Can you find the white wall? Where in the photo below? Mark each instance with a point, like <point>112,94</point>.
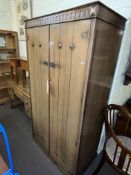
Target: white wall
<point>119,92</point>
<point>13,9</point>
<point>8,15</point>
<point>17,18</point>
<point>41,7</point>
<point>5,15</point>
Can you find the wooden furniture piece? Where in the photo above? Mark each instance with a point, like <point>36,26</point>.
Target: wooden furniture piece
<point>4,96</point>
<point>11,43</point>
<point>72,56</point>
<point>24,69</point>
<point>14,65</point>
<point>8,48</point>
<point>23,93</point>
<point>117,149</point>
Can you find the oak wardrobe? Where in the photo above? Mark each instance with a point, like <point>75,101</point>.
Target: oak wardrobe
<point>72,56</point>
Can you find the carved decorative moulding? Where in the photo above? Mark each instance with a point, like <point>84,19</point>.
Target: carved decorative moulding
<point>88,11</point>
<point>83,13</point>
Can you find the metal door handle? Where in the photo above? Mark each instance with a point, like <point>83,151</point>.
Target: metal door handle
<point>53,65</point>
<point>46,63</point>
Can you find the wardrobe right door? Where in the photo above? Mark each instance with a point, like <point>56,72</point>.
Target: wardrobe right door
<point>78,69</point>
<point>61,36</point>
<point>68,53</point>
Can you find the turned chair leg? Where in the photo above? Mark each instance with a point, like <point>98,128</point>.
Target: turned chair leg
<point>100,165</point>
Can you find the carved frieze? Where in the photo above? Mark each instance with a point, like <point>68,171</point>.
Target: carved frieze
<point>67,16</point>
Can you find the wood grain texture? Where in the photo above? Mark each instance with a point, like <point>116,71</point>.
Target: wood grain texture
<point>66,38</point>
<point>81,32</point>
<point>106,15</point>
<point>11,49</point>
<point>54,88</point>
<point>37,82</point>
<point>24,64</point>
<point>102,68</point>
<point>87,11</point>
<point>44,77</point>
<point>78,59</point>
<point>30,49</point>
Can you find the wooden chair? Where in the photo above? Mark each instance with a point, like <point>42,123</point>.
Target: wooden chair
<point>24,68</point>
<point>117,147</point>
<point>14,65</point>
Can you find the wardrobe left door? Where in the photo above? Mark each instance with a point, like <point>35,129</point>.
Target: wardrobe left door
<point>37,46</point>
<point>44,83</point>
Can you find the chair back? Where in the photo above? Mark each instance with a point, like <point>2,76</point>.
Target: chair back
<point>114,114</point>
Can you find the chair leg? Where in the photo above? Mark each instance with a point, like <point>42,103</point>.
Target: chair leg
<point>24,77</point>
<point>16,75</point>
<point>11,72</point>
<point>100,165</point>
<point>11,103</point>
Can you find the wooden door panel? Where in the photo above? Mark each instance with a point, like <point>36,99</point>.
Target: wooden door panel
<point>54,80</point>
<point>44,77</point>
<point>66,38</point>
<point>66,88</point>
<point>38,51</point>
<point>32,80</point>
<point>77,75</point>
<point>37,82</point>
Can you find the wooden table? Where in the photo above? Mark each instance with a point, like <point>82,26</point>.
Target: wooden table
<point>23,93</point>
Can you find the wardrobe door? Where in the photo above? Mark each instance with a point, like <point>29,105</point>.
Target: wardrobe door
<point>39,75</point>
<point>68,50</point>
<point>54,86</point>
<point>66,38</point>
<point>44,86</point>
<point>61,36</point>
<point>79,61</point>
<point>30,55</point>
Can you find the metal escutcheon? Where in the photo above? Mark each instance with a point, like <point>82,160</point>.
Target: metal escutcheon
<point>72,46</point>
<point>59,45</point>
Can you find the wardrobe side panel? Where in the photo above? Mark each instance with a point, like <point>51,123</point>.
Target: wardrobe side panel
<point>104,59</point>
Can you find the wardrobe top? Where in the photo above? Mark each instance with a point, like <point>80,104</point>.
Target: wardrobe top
<point>88,11</point>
